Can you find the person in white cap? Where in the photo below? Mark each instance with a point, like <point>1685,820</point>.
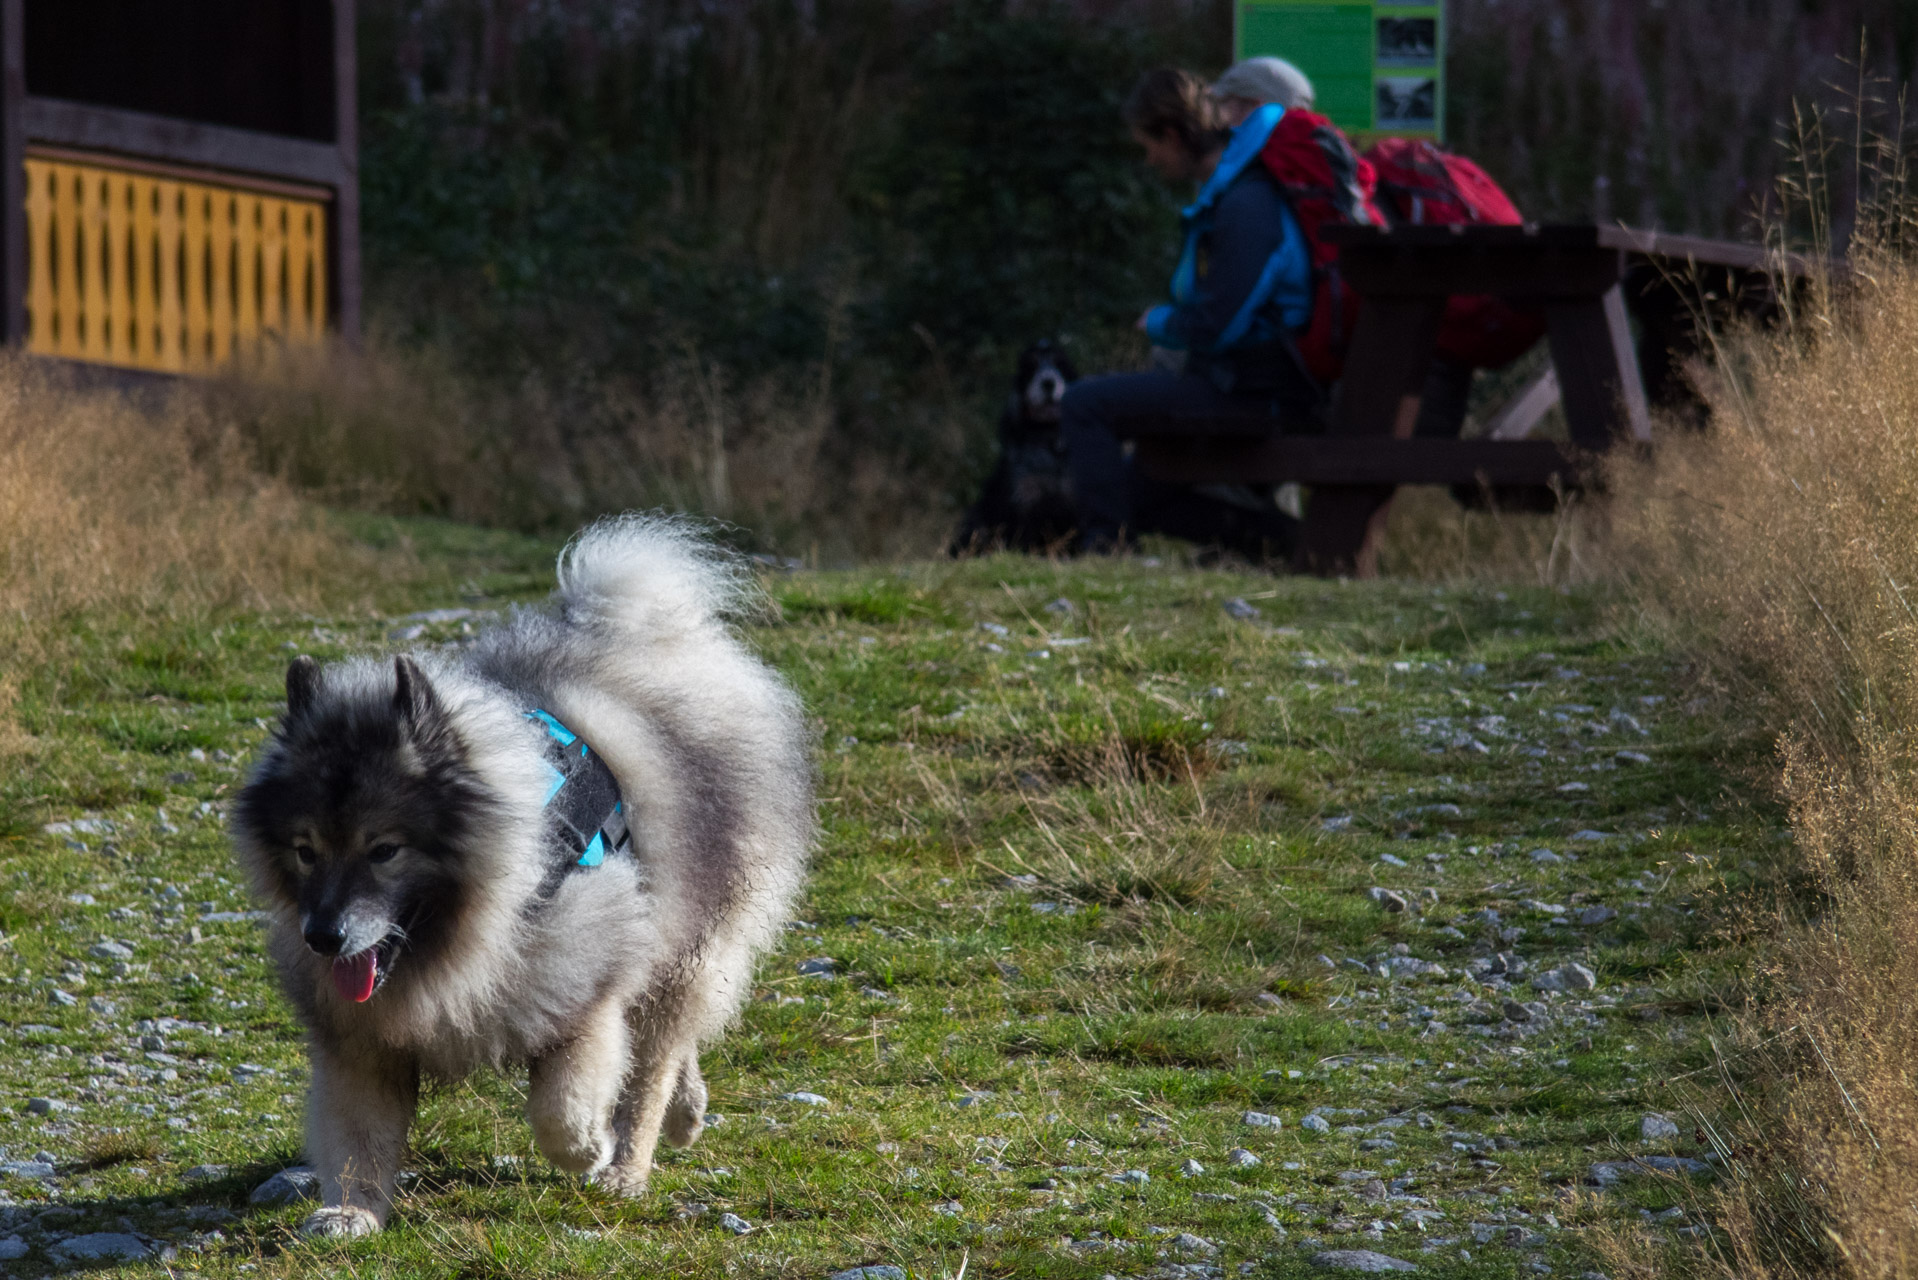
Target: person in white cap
<point>1247,86</point>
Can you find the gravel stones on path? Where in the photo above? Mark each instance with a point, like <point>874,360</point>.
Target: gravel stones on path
<point>1608,1173</point>
<point>1360,1260</point>
<point>100,1246</point>
<point>1657,1128</point>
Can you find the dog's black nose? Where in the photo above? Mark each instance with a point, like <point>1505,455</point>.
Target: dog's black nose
<point>325,937</point>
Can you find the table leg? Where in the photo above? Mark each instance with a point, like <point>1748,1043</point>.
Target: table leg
<point>1378,396</point>
<point>1598,377</point>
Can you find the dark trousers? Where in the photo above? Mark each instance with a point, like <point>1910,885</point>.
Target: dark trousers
<point>1113,502</point>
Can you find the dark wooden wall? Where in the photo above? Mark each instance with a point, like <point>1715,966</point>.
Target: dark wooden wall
<point>264,65</point>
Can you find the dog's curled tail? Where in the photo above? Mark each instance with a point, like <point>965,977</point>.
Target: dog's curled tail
<point>654,576</point>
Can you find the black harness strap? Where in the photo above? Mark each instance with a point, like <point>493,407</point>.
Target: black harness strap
<point>586,815</point>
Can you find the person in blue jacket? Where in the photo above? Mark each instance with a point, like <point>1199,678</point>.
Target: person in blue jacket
<point>1243,284</point>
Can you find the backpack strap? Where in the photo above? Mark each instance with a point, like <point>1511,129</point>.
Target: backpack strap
<point>1290,255</point>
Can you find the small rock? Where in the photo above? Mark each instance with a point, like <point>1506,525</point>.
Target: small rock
<point>101,1244</point>
<point>1657,1128</point>
<point>44,1106</point>
<point>1544,856</point>
<point>1238,608</point>
<point>288,1186</point>
<point>28,1168</point>
<point>1573,788</point>
<point>1260,1120</point>
<point>1571,977</point>
<point>12,1248</point>
<point>108,949</point>
<point>62,999</point>
<point>1061,605</point>
<point>817,967</point>
<point>806,1099</point>
<point>1132,1177</point>
<point>1632,757</point>
<point>973,1099</point>
<point>1240,1158</point>
<point>1392,860</point>
<point>1507,964</point>
<point>1316,1124</point>
<point>950,1208</point>
<point>1608,1172</point>
<point>1590,836</point>
<point>734,1223</point>
<point>1186,1242</point>
<point>869,1273</point>
<point>1360,1260</point>
<point>1597,915</point>
<point>1192,1169</point>
<point>1386,898</point>
<point>204,1172</point>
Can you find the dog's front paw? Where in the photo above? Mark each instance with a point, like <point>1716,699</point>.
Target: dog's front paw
<point>344,1222</point>
<point>575,1152</point>
<point>622,1180</point>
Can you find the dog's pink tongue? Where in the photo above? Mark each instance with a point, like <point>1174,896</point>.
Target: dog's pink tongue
<point>354,976</point>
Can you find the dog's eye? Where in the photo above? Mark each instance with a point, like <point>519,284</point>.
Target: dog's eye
<point>383,853</point>
<point>304,852</point>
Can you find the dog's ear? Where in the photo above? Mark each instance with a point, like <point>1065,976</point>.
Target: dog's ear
<point>302,686</point>
<point>414,701</point>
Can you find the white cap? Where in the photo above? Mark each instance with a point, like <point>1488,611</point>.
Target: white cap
<point>1265,80</point>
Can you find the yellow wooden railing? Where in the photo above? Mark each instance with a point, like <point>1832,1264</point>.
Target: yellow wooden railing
<point>149,267</point>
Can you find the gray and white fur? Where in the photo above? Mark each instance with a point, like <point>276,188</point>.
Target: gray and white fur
<point>396,822</point>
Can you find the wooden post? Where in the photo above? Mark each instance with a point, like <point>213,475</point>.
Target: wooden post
<point>1598,378</point>
<point>1378,396</point>
<point>13,174</point>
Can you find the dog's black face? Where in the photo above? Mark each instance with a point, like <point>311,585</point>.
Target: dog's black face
<point>1041,382</point>
<point>360,812</point>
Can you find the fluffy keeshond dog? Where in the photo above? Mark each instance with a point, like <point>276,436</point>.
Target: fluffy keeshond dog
<point>561,847</point>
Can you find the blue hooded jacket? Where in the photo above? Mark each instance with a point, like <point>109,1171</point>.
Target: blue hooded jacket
<point>1245,262</point>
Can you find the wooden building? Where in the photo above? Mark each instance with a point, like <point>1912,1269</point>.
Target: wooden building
<point>179,178</point>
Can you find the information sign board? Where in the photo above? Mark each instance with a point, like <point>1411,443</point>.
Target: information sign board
<point>1376,66</point>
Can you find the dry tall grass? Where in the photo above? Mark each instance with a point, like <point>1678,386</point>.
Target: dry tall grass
<point>112,508</point>
<point>397,429</point>
<point>1785,545</point>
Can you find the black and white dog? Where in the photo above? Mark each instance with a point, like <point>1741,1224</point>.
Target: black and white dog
<point>560,849</point>
<point>1026,504</point>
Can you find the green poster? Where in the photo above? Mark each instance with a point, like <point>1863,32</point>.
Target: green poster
<point>1377,67</point>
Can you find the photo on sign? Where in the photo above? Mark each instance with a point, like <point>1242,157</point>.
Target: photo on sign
<point>1408,42</point>
<point>1408,101</point>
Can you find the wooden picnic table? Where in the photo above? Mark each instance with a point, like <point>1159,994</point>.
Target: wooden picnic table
<point>1589,281</point>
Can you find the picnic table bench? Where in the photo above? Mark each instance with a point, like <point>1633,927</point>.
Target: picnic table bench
<point>1589,281</point>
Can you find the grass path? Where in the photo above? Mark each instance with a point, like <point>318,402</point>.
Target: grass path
<point>1164,923</point>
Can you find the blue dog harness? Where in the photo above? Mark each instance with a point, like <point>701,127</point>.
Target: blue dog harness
<point>583,804</point>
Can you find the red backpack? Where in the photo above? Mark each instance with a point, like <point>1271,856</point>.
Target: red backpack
<point>1326,183</point>
<point>1419,185</point>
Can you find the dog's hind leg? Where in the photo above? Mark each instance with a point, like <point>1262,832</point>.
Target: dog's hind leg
<point>650,1090</point>
<point>573,1090</point>
<point>358,1111</point>
<point>686,1114</point>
